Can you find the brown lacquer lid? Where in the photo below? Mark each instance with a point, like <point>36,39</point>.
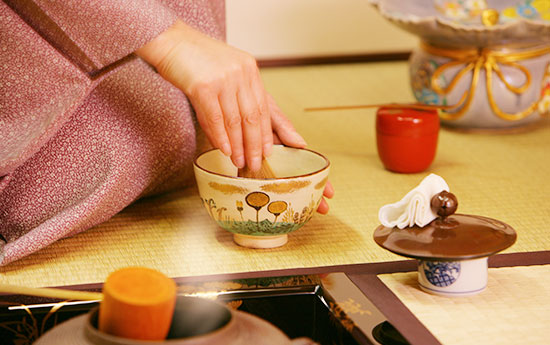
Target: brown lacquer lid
<point>449,237</point>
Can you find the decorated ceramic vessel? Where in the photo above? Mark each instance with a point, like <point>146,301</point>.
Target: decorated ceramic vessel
<point>261,212</point>
<point>196,321</point>
<point>452,249</point>
<point>488,61</point>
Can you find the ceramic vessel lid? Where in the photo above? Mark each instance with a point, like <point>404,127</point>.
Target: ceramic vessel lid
<point>450,237</point>
<point>455,23</point>
<point>407,122</point>
<point>242,329</point>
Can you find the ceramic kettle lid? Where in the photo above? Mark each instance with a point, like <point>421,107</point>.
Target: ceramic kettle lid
<point>450,237</point>
<point>197,321</point>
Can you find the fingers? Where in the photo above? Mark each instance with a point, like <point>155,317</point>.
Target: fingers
<point>276,139</point>
<point>211,118</point>
<point>251,127</point>
<point>327,193</point>
<point>256,120</point>
<point>232,118</point>
<point>329,190</point>
<point>236,120</point>
<point>323,207</point>
<point>282,127</point>
<point>265,119</point>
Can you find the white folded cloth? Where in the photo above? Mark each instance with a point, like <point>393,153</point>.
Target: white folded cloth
<point>414,208</point>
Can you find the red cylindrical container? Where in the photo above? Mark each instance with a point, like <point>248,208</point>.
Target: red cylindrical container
<point>406,138</point>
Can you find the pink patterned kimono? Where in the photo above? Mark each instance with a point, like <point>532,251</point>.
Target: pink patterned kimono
<point>86,127</point>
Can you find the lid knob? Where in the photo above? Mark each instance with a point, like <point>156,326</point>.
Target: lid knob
<point>444,204</point>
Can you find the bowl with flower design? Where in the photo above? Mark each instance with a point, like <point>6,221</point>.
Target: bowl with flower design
<point>262,212</point>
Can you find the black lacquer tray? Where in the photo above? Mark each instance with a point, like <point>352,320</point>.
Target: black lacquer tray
<point>301,306</point>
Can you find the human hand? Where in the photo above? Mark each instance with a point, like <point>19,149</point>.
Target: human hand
<point>225,88</point>
<point>283,129</point>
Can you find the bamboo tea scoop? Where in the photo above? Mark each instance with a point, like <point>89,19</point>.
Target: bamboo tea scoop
<point>265,172</point>
<point>51,293</point>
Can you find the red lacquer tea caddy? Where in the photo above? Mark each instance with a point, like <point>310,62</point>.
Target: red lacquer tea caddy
<point>406,138</point>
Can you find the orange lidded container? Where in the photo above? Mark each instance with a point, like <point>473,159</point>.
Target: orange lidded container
<point>406,138</point>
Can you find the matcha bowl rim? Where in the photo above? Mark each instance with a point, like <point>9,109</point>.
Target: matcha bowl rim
<point>261,212</point>
<point>327,165</point>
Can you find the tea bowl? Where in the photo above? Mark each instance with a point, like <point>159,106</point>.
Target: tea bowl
<point>261,212</point>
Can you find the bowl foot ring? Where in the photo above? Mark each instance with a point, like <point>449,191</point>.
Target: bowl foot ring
<point>260,241</point>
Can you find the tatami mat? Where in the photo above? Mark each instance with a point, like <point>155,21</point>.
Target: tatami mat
<point>500,176</point>
<point>514,309</point>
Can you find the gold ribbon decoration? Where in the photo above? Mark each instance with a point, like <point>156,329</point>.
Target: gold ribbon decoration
<point>474,60</point>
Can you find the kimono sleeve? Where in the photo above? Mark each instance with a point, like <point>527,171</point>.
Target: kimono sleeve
<point>95,33</point>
